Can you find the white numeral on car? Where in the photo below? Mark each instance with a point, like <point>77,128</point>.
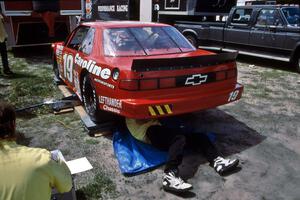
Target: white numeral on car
<point>68,67</point>
<point>233,95</point>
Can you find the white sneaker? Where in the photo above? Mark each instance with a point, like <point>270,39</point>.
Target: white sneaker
<point>222,165</point>
<point>174,183</point>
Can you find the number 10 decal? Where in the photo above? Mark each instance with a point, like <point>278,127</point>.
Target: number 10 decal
<point>68,67</point>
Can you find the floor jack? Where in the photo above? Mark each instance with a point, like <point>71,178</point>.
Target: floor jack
<point>57,106</point>
<point>68,104</point>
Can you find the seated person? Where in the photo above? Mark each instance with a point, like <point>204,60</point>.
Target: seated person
<point>174,141</point>
<point>27,173</point>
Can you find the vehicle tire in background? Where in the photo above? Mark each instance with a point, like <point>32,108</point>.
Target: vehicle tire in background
<point>56,71</point>
<point>90,101</point>
<point>297,62</point>
<point>192,39</point>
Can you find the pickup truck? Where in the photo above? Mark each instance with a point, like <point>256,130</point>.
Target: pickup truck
<point>267,31</point>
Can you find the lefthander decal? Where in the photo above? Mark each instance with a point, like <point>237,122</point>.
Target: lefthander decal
<point>111,104</point>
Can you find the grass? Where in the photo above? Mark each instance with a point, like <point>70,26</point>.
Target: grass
<point>98,188</point>
<point>32,84</point>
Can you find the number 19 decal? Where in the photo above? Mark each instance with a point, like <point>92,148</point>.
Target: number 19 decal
<point>68,67</point>
<point>233,95</point>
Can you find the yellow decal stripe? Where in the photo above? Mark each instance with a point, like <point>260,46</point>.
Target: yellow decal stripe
<point>168,109</point>
<point>161,112</point>
<point>151,110</point>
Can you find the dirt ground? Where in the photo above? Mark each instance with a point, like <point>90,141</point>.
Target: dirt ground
<point>262,130</point>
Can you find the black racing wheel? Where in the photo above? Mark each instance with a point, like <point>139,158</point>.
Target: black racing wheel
<point>90,101</point>
<point>297,62</point>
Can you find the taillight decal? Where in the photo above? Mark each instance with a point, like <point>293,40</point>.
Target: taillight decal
<point>158,110</point>
<point>168,109</point>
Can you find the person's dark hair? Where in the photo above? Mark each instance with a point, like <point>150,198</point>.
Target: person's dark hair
<point>7,120</point>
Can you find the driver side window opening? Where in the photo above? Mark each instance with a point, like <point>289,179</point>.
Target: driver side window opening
<point>78,37</point>
<point>241,16</point>
<point>87,44</point>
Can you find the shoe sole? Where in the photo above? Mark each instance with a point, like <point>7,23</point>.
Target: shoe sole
<point>166,188</point>
<point>229,168</point>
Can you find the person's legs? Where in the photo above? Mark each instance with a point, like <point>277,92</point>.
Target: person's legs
<point>201,141</point>
<point>174,142</point>
<point>4,58</point>
<point>168,140</point>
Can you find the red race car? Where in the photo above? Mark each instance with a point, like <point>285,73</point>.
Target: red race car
<point>143,70</point>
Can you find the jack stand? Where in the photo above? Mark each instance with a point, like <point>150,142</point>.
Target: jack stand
<point>58,81</point>
<point>94,129</point>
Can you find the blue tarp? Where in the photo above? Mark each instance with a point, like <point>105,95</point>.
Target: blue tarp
<point>135,156</point>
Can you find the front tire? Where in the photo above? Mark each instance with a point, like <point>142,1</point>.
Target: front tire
<point>90,101</point>
<point>192,39</point>
<point>56,70</point>
<point>297,62</point>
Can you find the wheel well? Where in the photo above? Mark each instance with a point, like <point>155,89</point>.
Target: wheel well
<point>191,34</point>
<point>296,53</point>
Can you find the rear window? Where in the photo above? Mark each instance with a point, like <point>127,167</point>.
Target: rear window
<point>292,15</point>
<point>144,41</point>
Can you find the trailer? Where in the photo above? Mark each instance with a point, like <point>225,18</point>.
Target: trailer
<point>109,10</point>
<point>193,10</point>
<point>31,23</point>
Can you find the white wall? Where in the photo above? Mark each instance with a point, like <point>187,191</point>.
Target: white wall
<point>241,2</point>
<point>145,10</point>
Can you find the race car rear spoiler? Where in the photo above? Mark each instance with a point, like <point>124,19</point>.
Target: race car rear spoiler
<point>142,65</point>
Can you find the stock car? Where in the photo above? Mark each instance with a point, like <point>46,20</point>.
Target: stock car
<point>142,70</point>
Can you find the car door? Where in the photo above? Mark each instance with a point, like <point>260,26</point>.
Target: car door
<point>268,30</point>
<point>237,31</point>
<point>69,53</point>
<point>276,32</point>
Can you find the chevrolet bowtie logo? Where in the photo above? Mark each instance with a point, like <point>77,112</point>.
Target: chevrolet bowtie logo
<point>196,79</point>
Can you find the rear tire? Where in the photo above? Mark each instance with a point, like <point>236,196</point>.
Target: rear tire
<point>90,101</point>
<point>297,62</point>
<point>192,39</point>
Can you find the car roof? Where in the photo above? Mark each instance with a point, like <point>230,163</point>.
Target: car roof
<point>121,24</point>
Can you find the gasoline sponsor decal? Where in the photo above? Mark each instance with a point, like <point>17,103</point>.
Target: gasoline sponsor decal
<point>91,66</point>
<point>157,110</point>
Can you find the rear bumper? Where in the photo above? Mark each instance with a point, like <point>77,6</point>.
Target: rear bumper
<point>155,108</point>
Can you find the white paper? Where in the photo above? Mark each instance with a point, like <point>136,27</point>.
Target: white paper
<point>79,165</point>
